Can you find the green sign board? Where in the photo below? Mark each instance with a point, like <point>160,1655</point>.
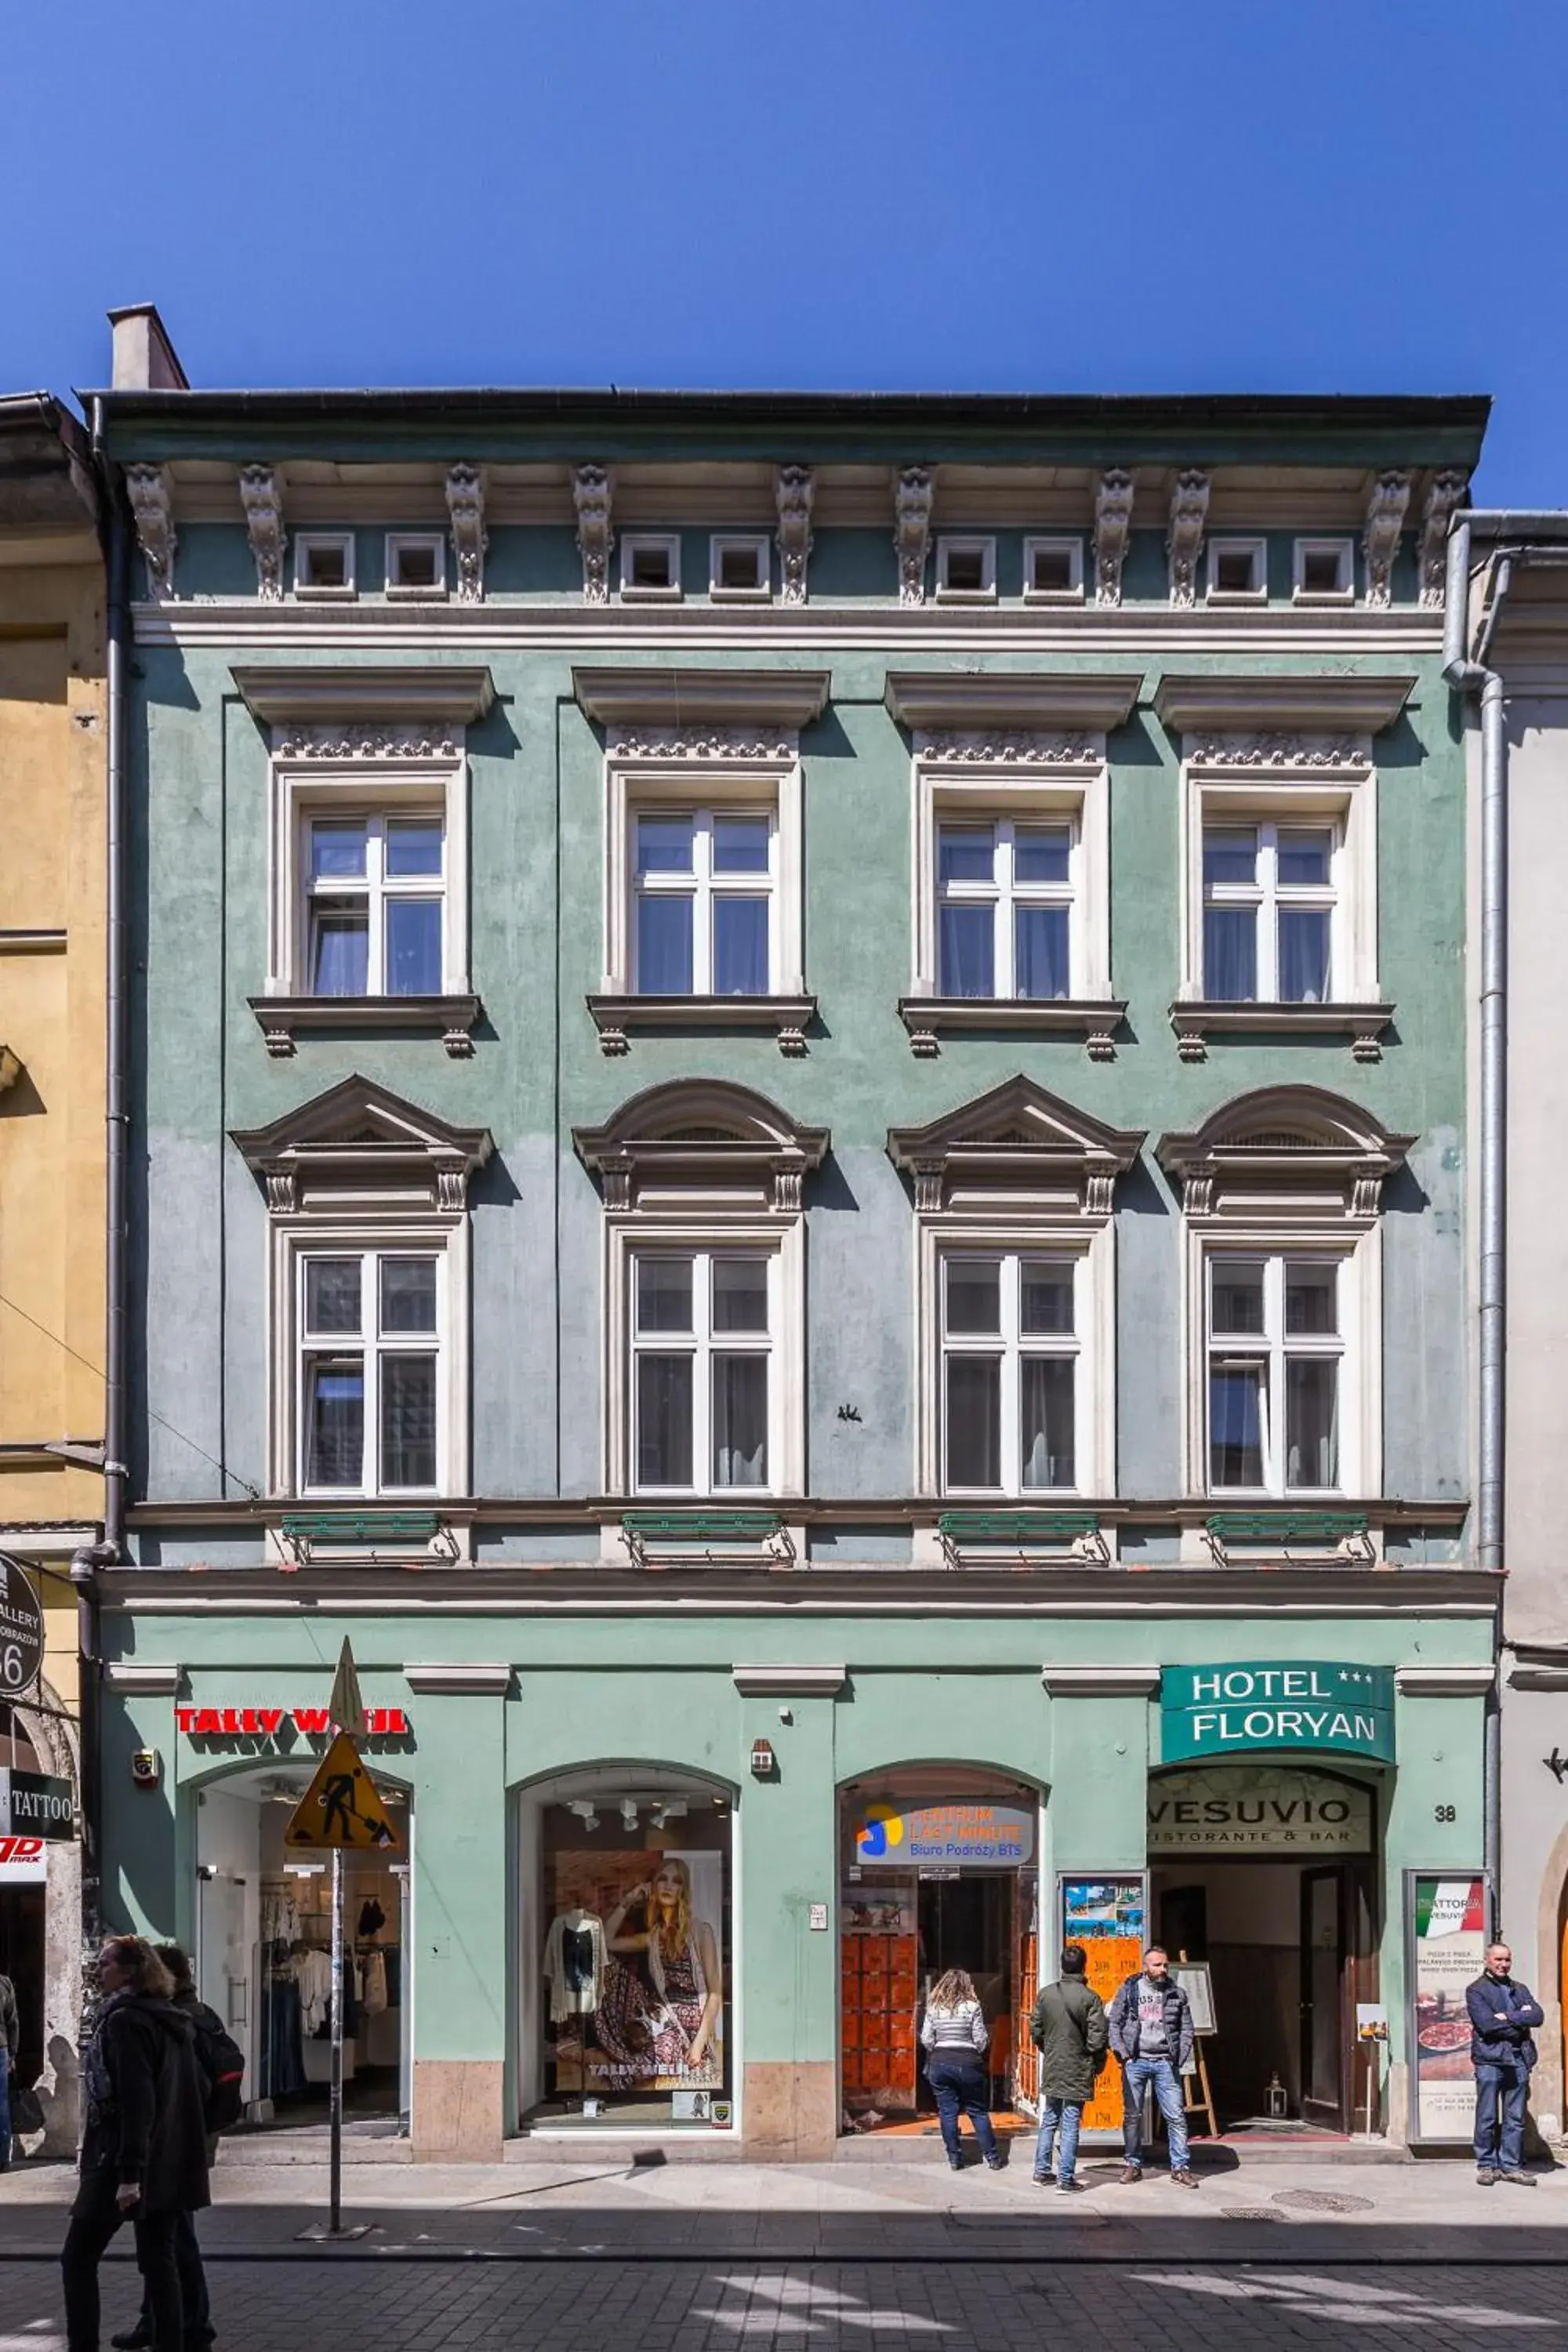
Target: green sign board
<point>1318,1703</point>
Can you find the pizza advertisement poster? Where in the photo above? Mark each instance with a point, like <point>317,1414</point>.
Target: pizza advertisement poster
<point>1448,1941</point>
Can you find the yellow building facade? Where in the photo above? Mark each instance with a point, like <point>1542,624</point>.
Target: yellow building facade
<point>52,1153</point>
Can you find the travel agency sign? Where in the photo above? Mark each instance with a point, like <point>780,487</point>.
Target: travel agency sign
<point>1334,1707</point>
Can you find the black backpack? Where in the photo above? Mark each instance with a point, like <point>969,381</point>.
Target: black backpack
<point>222,2064</point>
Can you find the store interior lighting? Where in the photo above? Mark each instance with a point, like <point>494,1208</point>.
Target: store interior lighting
<point>629,1812</point>
<point>584,1808</point>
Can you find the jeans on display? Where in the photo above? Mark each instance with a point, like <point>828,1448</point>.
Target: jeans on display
<point>95,2217</point>
<point>1502,2089</point>
<point>1069,2114</point>
<point>1167,2082</point>
<point>960,2084</point>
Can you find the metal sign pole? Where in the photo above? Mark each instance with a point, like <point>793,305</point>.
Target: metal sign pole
<point>336,2095</point>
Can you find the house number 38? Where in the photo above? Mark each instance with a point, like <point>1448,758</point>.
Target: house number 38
<point>1444,1813</point>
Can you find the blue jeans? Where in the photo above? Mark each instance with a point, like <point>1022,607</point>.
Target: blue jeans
<point>1167,2084</point>
<point>1502,2088</point>
<point>1069,2113</point>
<point>960,2083</point>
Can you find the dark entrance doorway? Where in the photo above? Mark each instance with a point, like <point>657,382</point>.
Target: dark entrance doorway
<point>969,1922</point>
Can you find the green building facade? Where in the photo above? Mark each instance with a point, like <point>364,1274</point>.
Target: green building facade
<point>800,1132</point>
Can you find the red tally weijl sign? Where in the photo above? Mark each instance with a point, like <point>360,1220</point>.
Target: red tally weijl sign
<point>267,1722</point>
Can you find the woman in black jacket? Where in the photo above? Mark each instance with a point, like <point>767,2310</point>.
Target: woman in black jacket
<point>144,2156</point>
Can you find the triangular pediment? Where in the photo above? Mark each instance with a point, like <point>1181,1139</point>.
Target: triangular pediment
<point>360,1115</point>
<point>1016,1116</point>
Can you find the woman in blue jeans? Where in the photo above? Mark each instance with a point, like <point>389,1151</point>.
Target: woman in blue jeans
<point>954,2036</point>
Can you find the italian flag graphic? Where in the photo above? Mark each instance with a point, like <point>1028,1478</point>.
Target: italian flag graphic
<point>1449,1907</point>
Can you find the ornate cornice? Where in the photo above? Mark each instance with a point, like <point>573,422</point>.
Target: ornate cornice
<point>590,495</point>
<point>1016,1139</point>
<point>1189,513</point>
<point>695,704</point>
<point>1112,524</point>
<point>1029,747</point>
<point>466,506</point>
<point>365,742</point>
<point>1242,748</point>
<point>911,531</point>
<point>435,699</point>
<point>362,1139</point>
<point>702,743</point>
<point>1444,492</point>
<point>1315,1152</point>
<point>699,1134</point>
<point>1379,540</point>
<point>794,488</point>
<point>1000,703</point>
<point>149,490</point>
<point>1238,710</point>
<point>261,495</point>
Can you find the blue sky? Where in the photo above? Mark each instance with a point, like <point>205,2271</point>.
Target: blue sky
<point>969,194</point>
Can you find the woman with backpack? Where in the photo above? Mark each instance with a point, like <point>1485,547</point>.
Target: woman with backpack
<point>144,2152</point>
<point>221,2063</point>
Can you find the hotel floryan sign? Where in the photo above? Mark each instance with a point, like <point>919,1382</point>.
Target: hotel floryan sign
<point>1235,1708</point>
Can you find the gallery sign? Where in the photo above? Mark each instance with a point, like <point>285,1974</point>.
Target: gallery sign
<point>1337,1708</point>
<point>21,1629</point>
<point>1256,1809</point>
<point>268,1722</point>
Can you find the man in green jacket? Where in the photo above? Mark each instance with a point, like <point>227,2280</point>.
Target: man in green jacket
<point>1071,2035</point>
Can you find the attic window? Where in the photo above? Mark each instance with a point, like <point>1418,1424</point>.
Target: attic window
<point>1236,569</point>
<point>324,563</point>
<point>415,564</point>
<point>1325,571</point>
<point>966,571</point>
<point>1053,571</point>
<point>651,565</point>
<point>738,568</point>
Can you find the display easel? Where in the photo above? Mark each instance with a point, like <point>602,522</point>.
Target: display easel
<point>1204,2103</point>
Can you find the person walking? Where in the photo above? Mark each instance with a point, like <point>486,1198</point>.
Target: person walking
<point>1070,2030</point>
<point>214,2045</point>
<point>1151,2025</point>
<point>954,2035</point>
<point>143,2157</point>
<point>10,2034</point>
<point>1503,2016</point>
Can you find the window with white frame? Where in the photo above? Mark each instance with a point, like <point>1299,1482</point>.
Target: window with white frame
<point>1270,896</point>
<point>1053,571</point>
<point>1238,571</point>
<point>704,886</point>
<point>1005,887</point>
<point>1276,1367</point>
<point>1010,1350</point>
<point>376,895</point>
<point>369,1408</point>
<point>965,571</point>
<point>324,563</point>
<point>1324,570</point>
<point>739,567</point>
<point>416,563</point>
<point>650,566</point>
<point>703,1391</point>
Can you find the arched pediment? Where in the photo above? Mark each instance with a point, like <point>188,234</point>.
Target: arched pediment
<point>694,1135</point>
<point>1015,1139</point>
<point>363,1138</point>
<point>1286,1142</point>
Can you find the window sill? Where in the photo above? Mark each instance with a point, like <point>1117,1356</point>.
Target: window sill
<point>708,1532</point>
<point>1029,1536</point>
<point>786,1015</point>
<point>1095,1020</point>
<point>304,1534</point>
<point>1363,1024</point>
<point>452,1018</point>
<point>1288,1536</point>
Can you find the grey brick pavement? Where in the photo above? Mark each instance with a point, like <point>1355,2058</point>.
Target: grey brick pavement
<point>340,2303</point>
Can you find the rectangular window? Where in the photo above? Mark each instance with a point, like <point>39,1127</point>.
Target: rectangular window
<point>369,1353</point>
<point>703,884</point>
<point>1325,571</point>
<point>701,1370</point>
<point>1238,570</point>
<point>416,563</point>
<point>1276,1364</point>
<point>1010,1372</point>
<point>1270,897</point>
<point>323,563</point>
<point>966,571</point>
<point>739,567</point>
<point>1004,909</point>
<point>1053,571</point>
<point>650,566</point>
<point>375,891</point>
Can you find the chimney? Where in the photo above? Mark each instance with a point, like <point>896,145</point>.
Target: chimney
<point>144,358</point>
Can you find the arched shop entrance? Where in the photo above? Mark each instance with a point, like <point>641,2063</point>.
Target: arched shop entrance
<point>1267,1874</point>
<point>938,1870</point>
<point>40,1907</point>
<point>263,1942</point>
<point>624,1927</point>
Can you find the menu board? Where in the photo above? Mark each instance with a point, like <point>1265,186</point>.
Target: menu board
<point>1447,1946</point>
<point>1107,1917</point>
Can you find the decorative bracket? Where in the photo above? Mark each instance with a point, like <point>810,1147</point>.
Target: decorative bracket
<point>1380,541</point>
<point>1444,492</point>
<point>261,495</point>
<point>466,505</point>
<point>911,532</point>
<point>591,492</point>
<point>150,503</point>
<point>794,488</point>
<point>1189,512</point>
<point>1112,524</point>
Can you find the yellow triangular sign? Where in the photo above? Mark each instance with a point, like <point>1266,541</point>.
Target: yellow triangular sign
<point>342,1806</point>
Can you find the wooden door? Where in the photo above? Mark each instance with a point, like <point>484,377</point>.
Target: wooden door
<point>1325,2088</point>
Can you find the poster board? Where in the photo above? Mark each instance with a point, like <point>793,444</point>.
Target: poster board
<point>1108,1915</point>
<point>1447,1923</point>
<point>638,2038</point>
<point>1195,1981</point>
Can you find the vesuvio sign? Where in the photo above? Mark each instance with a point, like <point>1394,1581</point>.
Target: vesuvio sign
<point>268,1722</point>
<point>1256,1809</point>
<point>34,1805</point>
<point>1307,1702</point>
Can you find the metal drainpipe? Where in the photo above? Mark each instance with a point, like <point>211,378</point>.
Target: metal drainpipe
<point>1469,677</point>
